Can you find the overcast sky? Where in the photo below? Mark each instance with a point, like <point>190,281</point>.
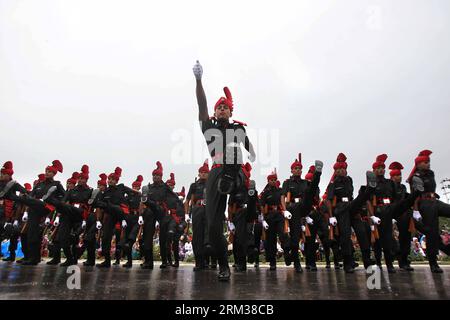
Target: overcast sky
<point>110,83</point>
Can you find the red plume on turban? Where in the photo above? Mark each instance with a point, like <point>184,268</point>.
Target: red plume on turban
<point>116,174</point>
<point>340,162</point>
<point>423,156</point>
<point>159,169</point>
<point>182,193</point>
<point>55,167</point>
<point>84,174</point>
<point>379,161</point>
<point>171,181</point>
<point>297,162</point>
<point>27,187</point>
<point>74,178</point>
<point>396,169</point>
<point>7,168</point>
<point>309,176</point>
<point>204,168</point>
<point>227,100</point>
<point>272,175</point>
<point>103,178</point>
<point>138,182</point>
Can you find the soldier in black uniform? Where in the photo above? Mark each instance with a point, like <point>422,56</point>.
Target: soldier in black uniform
<point>41,203</point>
<point>176,223</point>
<point>10,209</point>
<point>134,221</point>
<point>342,207</point>
<point>256,229</point>
<point>329,243</point>
<point>298,197</point>
<point>224,141</point>
<point>154,197</point>
<point>383,207</point>
<point>274,211</point>
<point>88,225</point>
<point>405,221</point>
<point>114,208</point>
<point>71,211</point>
<point>429,208</point>
<point>196,200</point>
<point>242,210</point>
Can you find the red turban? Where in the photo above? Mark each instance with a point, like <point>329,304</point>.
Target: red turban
<point>309,176</point>
<point>159,169</point>
<point>297,162</point>
<point>138,182</point>
<point>395,168</point>
<point>84,174</point>
<point>272,175</point>
<point>7,168</point>
<point>55,167</point>
<point>227,100</point>
<point>74,178</point>
<point>27,187</point>
<point>424,156</point>
<point>171,181</point>
<point>116,174</point>
<point>102,180</point>
<point>204,168</point>
<point>379,162</point>
<point>340,162</point>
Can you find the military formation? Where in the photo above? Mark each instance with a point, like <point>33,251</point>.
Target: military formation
<point>223,207</point>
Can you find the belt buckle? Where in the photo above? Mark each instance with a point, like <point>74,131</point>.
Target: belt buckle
<point>386,200</point>
<point>77,205</point>
<point>344,199</point>
<point>202,202</point>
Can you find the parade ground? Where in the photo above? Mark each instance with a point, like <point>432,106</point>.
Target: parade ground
<point>117,283</point>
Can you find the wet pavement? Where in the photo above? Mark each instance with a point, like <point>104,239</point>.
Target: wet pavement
<point>50,282</point>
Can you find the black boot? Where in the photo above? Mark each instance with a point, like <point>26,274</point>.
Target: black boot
<point>224,273</point>
<point>69,258</point>
<point>106,263</point>
<point>348,265</point>
<point>287,258</point>
<point>199,263</point>
<point>366,258</point>
<point>54,261</point>
<point>148,260</point>
<point>298,266</point>
<point>435,267</point>
<point>273,264</point>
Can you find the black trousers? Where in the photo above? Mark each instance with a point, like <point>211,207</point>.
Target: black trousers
<point>241,236</point>
<point>386,214</point>
<point>431,210</point>
<point>299,211</point>
<point>311,246</point>
<point>275,220</point>
<point>69,222</point>
<point>89,239</point>
<point>215,216</point>
<point>404,237</point>
<point>112,215</point>
<point>130,235</point>
<point>166,231</point>
<point>198,234</point>
<point>253,250</point>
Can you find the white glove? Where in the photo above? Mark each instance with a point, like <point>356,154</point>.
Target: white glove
<point>372,228</point>
<point>198,70</point>
<point>16,224</point>
<point>56,222</point>
<point>265,224</point>
<point>417,216</point>
<point>260,218</point>
<point>156,224</point>
<point>375,220</point>
<point>25,216</point>
<point>394,221</point>
<point>287,215</point>
<point>333,221</point>
<point>6,224</point>
<point>303,228</point>
<point>47,221</point>
<point>309,221</point>
<point>124,224</point>
<point>98,225</point>
<point>83,224</point>
<point>187,218</point>
<point>231,226</point>
<point>140,221</point>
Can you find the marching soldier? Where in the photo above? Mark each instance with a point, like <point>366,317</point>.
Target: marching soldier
<point>329,243</point>
<point>298,197</point>
<point>89,229</point>
<point>275,213</point>
<point>10,209</point>
<point>428,207</point>
<point>114,208</point>
<point>72,211</point>
<point>154,210</point>
<point>383,209</point>
<point>224,140</point>
<point>42,203</point>
<point>196,200</point>
<point>342,208</point>
<point>242,210</point>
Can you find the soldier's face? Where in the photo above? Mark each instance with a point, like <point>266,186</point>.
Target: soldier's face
<point>2,177</point>
<point>222,112</point>
<point>112,182</point>
<point>101,187</point>
<point>82,181</point>
<point>272,182</point>
<point>379,171</point>
<point>297,171</point>
<point>341,172</point>
<point>70,186</point>
<point>424,165</point>
<point>397,179</point>
<point>203,175</point>
<point>49,174</point>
